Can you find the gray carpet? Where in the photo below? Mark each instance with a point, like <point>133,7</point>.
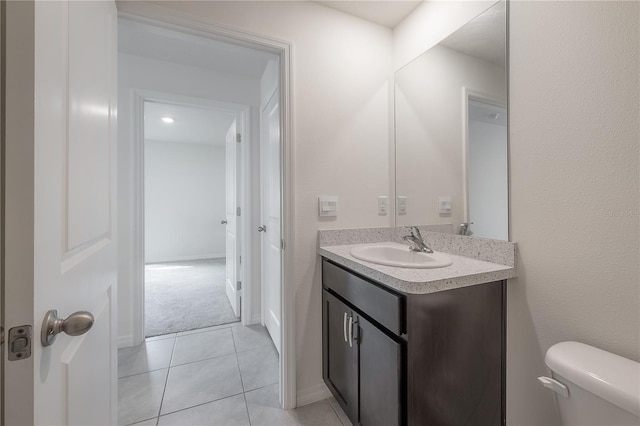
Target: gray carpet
<point>181,296</point>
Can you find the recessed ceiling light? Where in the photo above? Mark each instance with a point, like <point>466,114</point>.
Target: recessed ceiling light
<point>167,120</point>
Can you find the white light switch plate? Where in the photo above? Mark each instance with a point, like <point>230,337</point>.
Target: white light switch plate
<point>444,204</point>
<point>328,206</point>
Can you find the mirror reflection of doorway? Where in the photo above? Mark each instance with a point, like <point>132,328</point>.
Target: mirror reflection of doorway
<point>185,191</point>
<point>487,176</point>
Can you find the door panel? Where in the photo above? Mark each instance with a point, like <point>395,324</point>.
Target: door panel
<point>72,262</point>
<point>87,164</point>
<point>270,200</point>
<point>380,376</point>
<point>340,361</point>
<point>232,240</point>
<point>79,357</point>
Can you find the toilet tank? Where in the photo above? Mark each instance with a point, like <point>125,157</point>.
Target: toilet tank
<point>603,388</point>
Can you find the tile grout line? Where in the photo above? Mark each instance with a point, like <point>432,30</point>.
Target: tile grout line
<point>201,404</point>
<point>164,390</point>
<point>246,407</point>
<point>237,361</point>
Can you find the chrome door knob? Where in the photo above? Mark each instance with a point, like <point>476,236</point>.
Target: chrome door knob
<point>262,228</point>
<point>224,222</point>
<point>74,325</point>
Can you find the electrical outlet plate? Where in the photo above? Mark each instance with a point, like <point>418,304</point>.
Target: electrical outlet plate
<point>382,206</point>
<point>402,205</point>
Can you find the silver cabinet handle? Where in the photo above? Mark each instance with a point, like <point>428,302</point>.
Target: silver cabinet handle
<point>262,228</point>
<point>74,325</point>
<point>344,327</point>
<point>224,222</point>
<point>351,331</point>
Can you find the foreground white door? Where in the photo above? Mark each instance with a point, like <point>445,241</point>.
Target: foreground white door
<point>270,200</point>
<point>232,237</point>
<point>61,208</point>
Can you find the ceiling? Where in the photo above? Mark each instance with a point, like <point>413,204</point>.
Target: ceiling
<point>191,124</point>
<point>387,13</point>
<point>173,46</point>
<point>483,38</point>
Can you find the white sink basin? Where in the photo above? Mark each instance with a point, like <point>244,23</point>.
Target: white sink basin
<point>400,256</point>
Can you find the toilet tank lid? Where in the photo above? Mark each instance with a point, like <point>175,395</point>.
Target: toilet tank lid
<point>611,377</point>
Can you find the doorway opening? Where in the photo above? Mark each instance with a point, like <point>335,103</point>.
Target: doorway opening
<point>191,68</point>
<point>188,178</point>
<point>485,166</point>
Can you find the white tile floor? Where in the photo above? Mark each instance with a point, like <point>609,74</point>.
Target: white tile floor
<point>224,375</point>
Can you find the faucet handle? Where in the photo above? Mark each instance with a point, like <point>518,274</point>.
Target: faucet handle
<point>414,231</point>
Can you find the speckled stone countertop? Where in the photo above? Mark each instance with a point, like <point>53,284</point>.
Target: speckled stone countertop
<point>467,269</point>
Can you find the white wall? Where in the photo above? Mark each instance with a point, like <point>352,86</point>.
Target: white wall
<point>574,170</point>
<point>341,80</point>
<point>184,201</point>
<point>429,137</point>
<point>488,180</point>
<point>574,117</point>
<point>139,73</point>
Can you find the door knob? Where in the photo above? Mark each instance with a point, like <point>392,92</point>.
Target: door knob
<point>76,324</point>
<point>262,228</point>
<point>224,222</point>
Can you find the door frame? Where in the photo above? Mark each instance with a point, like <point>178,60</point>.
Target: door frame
<point>242,113</point>
<point>175,20</point>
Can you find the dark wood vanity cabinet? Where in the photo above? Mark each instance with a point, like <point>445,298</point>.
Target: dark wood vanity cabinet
<point>435,359</point>
<point>354,351</point>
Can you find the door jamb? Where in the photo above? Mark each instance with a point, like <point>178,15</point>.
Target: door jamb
<point>172,19</point>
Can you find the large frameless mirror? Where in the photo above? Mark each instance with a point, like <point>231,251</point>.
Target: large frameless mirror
<point>451,131</point>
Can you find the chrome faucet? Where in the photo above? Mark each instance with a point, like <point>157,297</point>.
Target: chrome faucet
<point>463,229</point>
<point>416,243</point>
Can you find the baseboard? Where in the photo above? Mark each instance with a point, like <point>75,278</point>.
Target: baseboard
<point>125,341</point>
<point>313,394</point>
<point>256,319</point>
<point>187,258</point>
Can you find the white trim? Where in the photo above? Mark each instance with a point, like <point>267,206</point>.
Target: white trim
<point>172,19</point>
<point>205,256</point>
<point>125,341</point>
<point>467,94</point>
<point>313,394</point>
<point>255,319</point>
<point>139,97</point>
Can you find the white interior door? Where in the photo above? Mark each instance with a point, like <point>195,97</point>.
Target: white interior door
<point>232,235</point>
<point>270,212</point>
<point>60,187</point>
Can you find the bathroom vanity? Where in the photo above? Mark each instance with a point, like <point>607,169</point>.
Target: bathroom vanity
<point>418,347</point>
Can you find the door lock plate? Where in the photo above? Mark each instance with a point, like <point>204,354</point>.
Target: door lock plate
<point>19,343</point>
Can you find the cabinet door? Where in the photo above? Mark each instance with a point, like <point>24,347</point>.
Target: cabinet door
<point>381,376</point>
<point>340,361</point>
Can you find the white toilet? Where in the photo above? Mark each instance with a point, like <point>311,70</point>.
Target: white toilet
<point>594,387</point>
